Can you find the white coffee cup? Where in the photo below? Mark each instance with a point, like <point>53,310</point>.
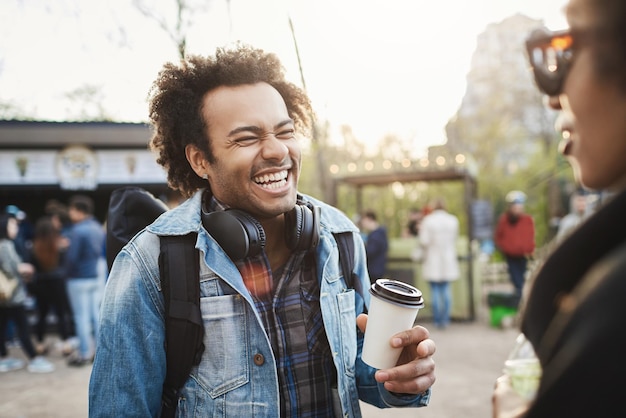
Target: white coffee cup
<point>393,308</point>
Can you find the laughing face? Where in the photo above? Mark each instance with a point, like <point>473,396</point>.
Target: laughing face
<point>257,154</point>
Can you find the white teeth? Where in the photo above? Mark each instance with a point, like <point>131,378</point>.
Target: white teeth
<point>273,185</point>
<point>273,180</point>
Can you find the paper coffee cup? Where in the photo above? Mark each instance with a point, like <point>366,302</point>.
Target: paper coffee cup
<point>393,308</point>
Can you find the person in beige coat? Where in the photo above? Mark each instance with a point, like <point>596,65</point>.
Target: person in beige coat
<point>438,235</point>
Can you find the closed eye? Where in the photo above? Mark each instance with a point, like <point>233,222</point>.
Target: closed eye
<point>246,140</point>
<point>286,134</point>
<point>252,134</point>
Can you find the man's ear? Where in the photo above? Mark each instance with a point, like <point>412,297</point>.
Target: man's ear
<point>197,161</point>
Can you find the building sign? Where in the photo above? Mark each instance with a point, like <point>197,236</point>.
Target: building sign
<point>79,167</point>
<point>22,167</point>
<point>129,166</point>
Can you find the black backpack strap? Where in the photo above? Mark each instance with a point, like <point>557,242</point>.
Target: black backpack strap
<point>345,244</point>
<point>184,330</point>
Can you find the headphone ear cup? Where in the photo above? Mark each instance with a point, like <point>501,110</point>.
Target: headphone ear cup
<point>302,228</point>
<point>238,233</point>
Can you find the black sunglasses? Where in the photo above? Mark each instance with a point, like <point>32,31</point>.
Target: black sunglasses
<point>550,55</point>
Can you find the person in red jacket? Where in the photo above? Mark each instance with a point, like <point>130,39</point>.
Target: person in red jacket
<point>515,238</point>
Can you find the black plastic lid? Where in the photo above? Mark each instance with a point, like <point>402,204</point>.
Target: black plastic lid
<point>397,292</point>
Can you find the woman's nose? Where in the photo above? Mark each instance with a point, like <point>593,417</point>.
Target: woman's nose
<point>554,102</point>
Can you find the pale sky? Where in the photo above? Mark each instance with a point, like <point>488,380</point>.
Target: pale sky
<point>380,66</point>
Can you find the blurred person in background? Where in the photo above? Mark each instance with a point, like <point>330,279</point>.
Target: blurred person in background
<point>83,265</point>
<point>439,232</point>
<point>578,212</point>
<point>13,308</point>
<point>23,240</point>
<point>49,285</point>
<point>515,238</point>
<point>413,223</point>
<point>575,314</point>
<point>59,215</point>
<point>376,245</point>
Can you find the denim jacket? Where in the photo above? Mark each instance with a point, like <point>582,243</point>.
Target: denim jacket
<point>237,376</point>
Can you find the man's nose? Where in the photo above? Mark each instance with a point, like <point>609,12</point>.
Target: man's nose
<point>274,147</point>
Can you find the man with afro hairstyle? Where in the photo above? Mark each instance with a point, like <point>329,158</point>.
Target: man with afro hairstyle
<point>283,331</point>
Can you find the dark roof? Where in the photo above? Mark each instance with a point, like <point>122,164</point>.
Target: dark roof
<point>406,177</point>
<point>43,134</point>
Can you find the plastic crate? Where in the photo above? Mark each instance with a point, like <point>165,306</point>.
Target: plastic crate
<point>501,305</point>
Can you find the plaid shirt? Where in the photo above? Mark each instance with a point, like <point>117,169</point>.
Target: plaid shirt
<point>288,301</point>
<point>293,321</point>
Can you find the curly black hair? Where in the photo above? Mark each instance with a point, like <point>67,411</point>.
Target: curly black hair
<point>176,99</point>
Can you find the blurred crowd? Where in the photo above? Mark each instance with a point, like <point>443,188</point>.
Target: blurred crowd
<point>55,267</point>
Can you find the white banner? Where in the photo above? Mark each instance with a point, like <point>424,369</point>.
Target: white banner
<point>79,167</point>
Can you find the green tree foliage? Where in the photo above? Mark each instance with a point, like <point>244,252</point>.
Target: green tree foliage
<point>392,202</point>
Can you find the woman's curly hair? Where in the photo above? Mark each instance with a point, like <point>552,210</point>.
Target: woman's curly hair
<point>176,99</point>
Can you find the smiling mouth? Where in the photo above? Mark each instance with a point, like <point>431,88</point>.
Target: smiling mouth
<point>273,180</point>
